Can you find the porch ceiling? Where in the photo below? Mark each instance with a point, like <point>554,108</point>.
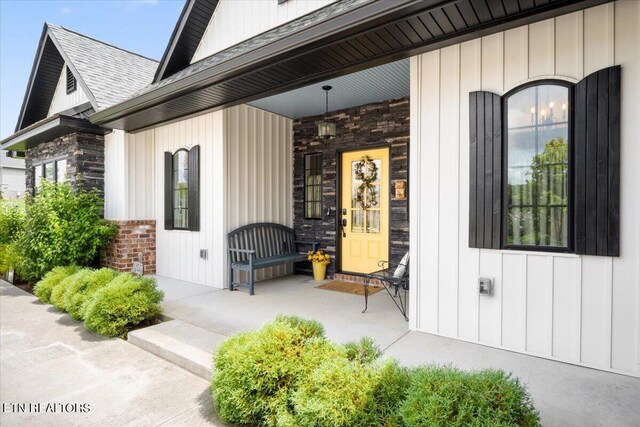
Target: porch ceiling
<point>381,83</point>
<point>339,39</point>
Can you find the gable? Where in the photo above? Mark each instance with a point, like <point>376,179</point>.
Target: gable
<point>62,100</point>
<point>236,21</point>
<point>45,73</point>
<point>186,37</point>
<point>105,75</point>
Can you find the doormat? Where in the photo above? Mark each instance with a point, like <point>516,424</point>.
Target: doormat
<point>349,288</point>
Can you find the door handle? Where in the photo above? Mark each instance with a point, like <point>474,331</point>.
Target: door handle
<point>344,224</point>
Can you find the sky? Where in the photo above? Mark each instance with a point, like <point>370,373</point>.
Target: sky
<point>141,26</point>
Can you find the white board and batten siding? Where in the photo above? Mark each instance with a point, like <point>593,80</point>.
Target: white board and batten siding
<point>246,177</point>
<point>61,100</point>
<point>579,309</point>
<point>259,156</point>
<point>235,21</point>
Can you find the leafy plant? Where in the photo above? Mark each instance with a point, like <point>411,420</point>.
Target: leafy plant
<point>11,220</point>
<point>44,287</point>
<point>81,290</point>
<point>62,227</point>
<point>255,373</point>
<point>124,303</point>
<point>440,396</point>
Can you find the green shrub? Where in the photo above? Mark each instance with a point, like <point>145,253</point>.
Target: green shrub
<point>61,227</point>
<point>363,351</point>
<point>43,288</point>
<point>125,302</point>
<point>341,392</point>
<point>59,291</point>
<point>11,220</point>
<point>256,372</point>
<point>440,396</point>
<point>82,290</point>
<point>335,394</point>
<point>287,374</point>
<point>389,392</point>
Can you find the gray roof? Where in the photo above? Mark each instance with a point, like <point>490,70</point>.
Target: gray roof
<point>267,37</point>
<point>111,74</point>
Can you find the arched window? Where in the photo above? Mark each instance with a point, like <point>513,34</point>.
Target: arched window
<point>544,166</point>
<point>182,189</point>
<point>538,129</point>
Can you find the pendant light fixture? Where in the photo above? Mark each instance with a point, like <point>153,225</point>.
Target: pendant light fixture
<point>326,129</point>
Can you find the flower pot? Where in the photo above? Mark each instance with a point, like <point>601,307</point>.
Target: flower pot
<point>319,271</point>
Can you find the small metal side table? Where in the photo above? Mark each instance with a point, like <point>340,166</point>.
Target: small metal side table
<point>400,286</point>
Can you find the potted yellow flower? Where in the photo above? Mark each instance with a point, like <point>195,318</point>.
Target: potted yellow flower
<point>319,260</point>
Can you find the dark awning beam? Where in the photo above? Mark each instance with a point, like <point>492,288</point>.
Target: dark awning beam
<point>48,129</point>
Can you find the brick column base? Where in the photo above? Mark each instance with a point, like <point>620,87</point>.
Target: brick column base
<point>135,241</point>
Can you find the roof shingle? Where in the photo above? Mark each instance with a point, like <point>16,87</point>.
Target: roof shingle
<point>111,74</point>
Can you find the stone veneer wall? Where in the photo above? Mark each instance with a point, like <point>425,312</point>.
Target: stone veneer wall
<point>85,159</point>
<point>135,241</point>
<point>358,127</point>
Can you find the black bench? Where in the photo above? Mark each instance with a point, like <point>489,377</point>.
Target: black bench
<point>262,245</point>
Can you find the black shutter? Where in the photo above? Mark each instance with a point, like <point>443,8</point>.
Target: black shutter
<point>596,157</point>
<point>485,174</point>
<point>168,190</point>
<point>194,188</point>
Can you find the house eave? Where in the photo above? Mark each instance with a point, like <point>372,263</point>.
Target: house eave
<point>48,129</point>
<point>222,82</point>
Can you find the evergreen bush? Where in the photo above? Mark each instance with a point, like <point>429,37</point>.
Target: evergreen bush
<point>256,372</point>
<point>44,287</point>
<point>446,396</point>
<point>125,302</point>
<point>59,291</point>
<point>81,290</point>
<point>288,374</point>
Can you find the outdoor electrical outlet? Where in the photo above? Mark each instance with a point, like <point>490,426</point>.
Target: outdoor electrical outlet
<point>485,286</point>
<point>203,253</point>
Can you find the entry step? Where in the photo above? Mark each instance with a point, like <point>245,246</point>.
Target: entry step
<point>187,346</point>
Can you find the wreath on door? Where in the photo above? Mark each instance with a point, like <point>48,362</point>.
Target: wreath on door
<point>367,172</point>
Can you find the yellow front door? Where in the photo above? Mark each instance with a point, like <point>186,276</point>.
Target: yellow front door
<point>365,210</point>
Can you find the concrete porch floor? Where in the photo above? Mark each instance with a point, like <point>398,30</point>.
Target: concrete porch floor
<point>566,395</point>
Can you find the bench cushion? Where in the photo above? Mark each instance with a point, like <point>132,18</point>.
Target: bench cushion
<point>269,261</point>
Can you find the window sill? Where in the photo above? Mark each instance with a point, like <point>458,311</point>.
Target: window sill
<point>538,253</point>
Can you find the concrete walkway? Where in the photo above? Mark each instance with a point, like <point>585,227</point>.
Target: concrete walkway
<point>46,357</point>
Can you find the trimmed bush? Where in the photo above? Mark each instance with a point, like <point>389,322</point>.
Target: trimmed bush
<point>82,290</point>
<point>335,394</point>
<point>44,287</point>
<point>440,396</point>
<point>60,290</point>
<point>389,393</point>
<point>288,374</point>
<point>62,227</point>
<point>363,351</point>
<point>256,372</point>
<point>124,303</point>
<point>345,393</point>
